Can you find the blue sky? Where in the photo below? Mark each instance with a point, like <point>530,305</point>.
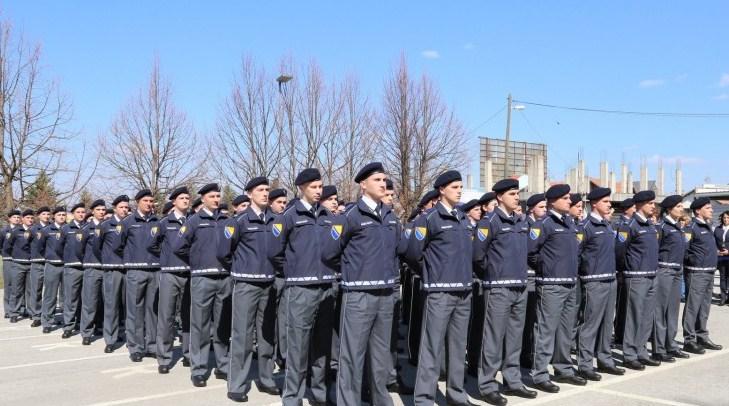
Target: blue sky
<point>645,56</point>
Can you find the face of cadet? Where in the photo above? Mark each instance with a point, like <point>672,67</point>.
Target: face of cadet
<point>99,212</point>
<point>629,211</point>
<point>389,197</point>
<point>577,210</point>
<point>375,186</point>
<point>475,213</point>
<point>278,205</point>
<point>330,203</point>
<point>706,213</point>
<point>211,200</point>
<point>182,202</point>
<point>28,221</point>
<point>259,195</point>
<point>451,192</point>
<point>121,210</point>
<point>562,204</point>
<point>311,191</point>
<point>603,207</point>
<point>44,217</point>
<point>510,199</point>
<point>60,218</point>
<point>540,209</point>
<point>14,219</point>
<point>79,214</point>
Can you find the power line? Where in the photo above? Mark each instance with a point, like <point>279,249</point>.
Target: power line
<point>626,112</point>
<point>487,120</point>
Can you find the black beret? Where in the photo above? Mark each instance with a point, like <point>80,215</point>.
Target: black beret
<point>557,191</point>
<point>109,210</point>
<point>486,197</point>
<point>98,202</point>
<point>627,203</point>
<point>28,212</point>
<point>43,209</point>
<point>644,196</point>
<point>700,202</point>
<point>469,205</point>
<point>223,206</point>
<point>533,200</point>
<point>180,190</point>
<point>14,213</point>
<point>120,199</point>
<point>257,181</point>
<point>167,207</point>
<point>210,187</point>
<point>275,194</point>
<point>389,185</point>
<point>446,178</point>
<point>241,199</point>
<point>575,198</point>
<point>77,206</point>
<point>598,193</point>
<point>328,191</point>
<point>433,194</point>
<point>58,209</point>
<point>307,175</point>
<point>671,201</point>
<point>142,194</point>
<point>196,203</point>
<point>367,170</point>
<point>505,184</point>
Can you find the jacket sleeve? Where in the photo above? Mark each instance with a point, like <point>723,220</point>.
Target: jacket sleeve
<point>537,235</point>
<point>155,243</point>
<point>334,243</point>
<point>181,246</point>
<point>278,243</point>
<point>228,238</point>
<point>418,241</point>
<point>622,241</point>
<point>482,235</point>
<point>61,243</point>
<point>42,243</point>
<point>117,244</point>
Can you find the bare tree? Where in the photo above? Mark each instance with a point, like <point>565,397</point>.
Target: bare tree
<point>151,143</point>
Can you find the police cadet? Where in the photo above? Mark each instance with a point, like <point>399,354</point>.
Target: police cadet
<point>240,204</point>
<point>8,269</point>
<point>195,205</point>
<point>210,287</point>
<point>69,248</point>
<point>700,266</point>
<point>637,242</point>
<point>672,248</point>
<point>93,282</point>
<point>472,210</point>
<point>19,245</point>
<point>309,292</point>
<point>330,202</point>
<point>536,210</point>
<point>597,273</point>
<point>245,243</point>
<point>174,283</point>
<point>277,204</point>
<point>500,253</point>
<point>488,203</point>
<point>167,209</point>
<point>628,208</point>
<point>37,262</point>
<point>441,240</point>
<point>553,254</point>
<point>53,269</point>
<point>114,274</point>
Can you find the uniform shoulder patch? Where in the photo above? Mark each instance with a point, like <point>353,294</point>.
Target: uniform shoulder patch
<point>79,236</point>
<point>276,229</point>
<point>622,236</point>
<point>534,233</point>
<point>229,231</point>
<point>482,234</point>
<point>154,230</point>
<point>183,229</point>
<point>687,237</point>
<point>580,237</point>
<point>336,231</point>
<point>421,233</point>
<point>97,231</point>
<point>118,228</point>
<point>407,233</point>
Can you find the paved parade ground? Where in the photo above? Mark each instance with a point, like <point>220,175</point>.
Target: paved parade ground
<point>43,369</point>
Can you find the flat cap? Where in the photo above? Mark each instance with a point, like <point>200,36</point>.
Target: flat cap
<point>241,199</point>
<point>557,191</point>
<point>210,187</point>
<point>44,209</point>
<point>486,198</point>
<point>446,178</point>
<point>644,196</point>
<point>97,203</point>
<point>15,212</point>
<point>671,201</point>
<point>307,175</point>
<point>367,170</point>
<point>505,184</point>
<point>196,203</point>
<point>28,212</point>
<point>58,209</point>
<point>627,203</point>
<point>431,195</point>
<point>180,190</point>
<point>167,207</point>
<point>142,194</point>
<point>599,193</point>
<point>700,202</point>
<point>77,206</point>
<point>120,199</point>
<point>257,181</point>
<point>466,207</point>
<point>328,191</point>
<point>275,194</point>
<point>575,198</point>
<point>109,210</point>
<point>389,185</point>
<point>534,200</point>
<point>223,206</point>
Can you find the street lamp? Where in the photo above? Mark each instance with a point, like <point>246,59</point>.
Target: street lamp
<point>510,107</point>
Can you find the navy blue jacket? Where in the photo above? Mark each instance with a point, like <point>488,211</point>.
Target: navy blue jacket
<point>500,250</point>
<point>443,243</point>
<point>198,243</point>
<point>135,238</point>
<point>109,234</point>
<point>597,251</point>
<point>35,245</point>
<point>553,250</point>
<point>638,243</point>
<point>70,247</point>
<point>50,236</point>
<point>246,243</point>
<point>701,254</point>
<point>20,241</point>
<point>672,244</point>
<point>91,231</point>
<point>368,246</point>
<point>722,241</point>
<point>169,231</point>
<point>4,244</point>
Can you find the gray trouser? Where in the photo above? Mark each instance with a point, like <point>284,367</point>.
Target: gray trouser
<point>668,301</point>
<point>52,280</point>
<point>596,324</point>
<point>338,293</point>
<point>365,329</point>
<point>553,330</point>
<point>253,314</point>
<point>444,312</point>
<point>8,285</point>
<point>395,334</point>
<point>72,281</point>
<point>172,287</point>
<point>91,296</point>
<point>639,309</point>
<point>280,286</point>
<point>35,303</point>
<point>699,287</point>
<point>20,274</point>
<point>141,323</point>
<point>503,328</point>
<point>210,309</point>
<point>114,298</point>
<point>308,341</point>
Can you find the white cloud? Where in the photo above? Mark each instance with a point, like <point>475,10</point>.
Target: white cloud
<point>469,46</point>
<point>721,97</point>
<point>430,54</point>
<point>648,83</point>
<point>724,80</point>
<point>689,160</point>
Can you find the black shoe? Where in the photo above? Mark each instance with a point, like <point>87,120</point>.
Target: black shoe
<point>220,375</point>
<point>14,319</point>
<point>199,381</point>
<point>35,323</point>
<point>185,362</point>
<point>46,330</point>
<point>571,380</point>
<point>163,369</point>
<point>317,403</point>
<point>136,357</point>
<point>399,387</point>
<point>150,355</point>
<point>649,362</point>
<point>494,398</point>
<point>589,375</point>
<point>613,370</point>
<point>7,316</point>
<point>709,345</point>
<point>86,341</point>
<point>522,392</point>
<point>109,349</point>
<point>235,397</point>
<point>442,377</point>
<point>693,348</point>
<point>636,365</point>
<point>678,354</point>
<point>547,386</point>
<point>663,358</point>
<point>271,390</point>
<point>66,334</point>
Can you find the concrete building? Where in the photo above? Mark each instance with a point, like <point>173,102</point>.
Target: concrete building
<point>526,161</point>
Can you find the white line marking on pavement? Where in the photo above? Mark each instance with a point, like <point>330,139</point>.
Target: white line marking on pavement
<point>60,361</point>
<point>641,397</point>
<point>129,371</point>
<point>157,396</point>
<point>23,337</point>
<point>55,346</point>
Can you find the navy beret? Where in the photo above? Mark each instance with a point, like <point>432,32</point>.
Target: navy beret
<point>180,190</point>
<point>59,209</point>
<point>210,187</point>
<point>97,203</point>
<point>627,203</point>
<point>257,181</point>
<point>431,195</point>
<point>14,213</point>
<point>575,198</point>
<point>142,194</point>
<point>27,212</point>
<point>77,206</point>
<point>446,178</point>
<point>196,203</point>
<point>389,185</point>
<point>533,200</point>
<point>307,175</point>
<point>328,191</point>
<point>671,201</point>
<point>557,191</point>
<point>275,194</point>
<point>223,206</point>
<point>43,209</point>
<point>469,205</point>
<point>644,196</point>
<point>486,197</point>
<point>241,199</point>
<point>167,207</point>
<point>598,193</point>
<point>505,184</point>
<point>700,202</point>
<point>120,199</point>
<point>109,210</point>
<point>367,170</point>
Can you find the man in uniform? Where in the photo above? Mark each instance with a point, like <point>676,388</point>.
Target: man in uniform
<point>19,246</point>
<point>240,204</point>
<point>37,263</point>
<point>53,270</point>
<point>13,221</point>
<point>277,201</point>
<point>92,287</point>
<point>69,248</point>
<point>488,203</point>
<point>536,210</point>
<point>277,205</point>
<point>628,208</point>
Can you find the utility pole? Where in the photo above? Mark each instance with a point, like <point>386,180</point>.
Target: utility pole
<point>508,136</point>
